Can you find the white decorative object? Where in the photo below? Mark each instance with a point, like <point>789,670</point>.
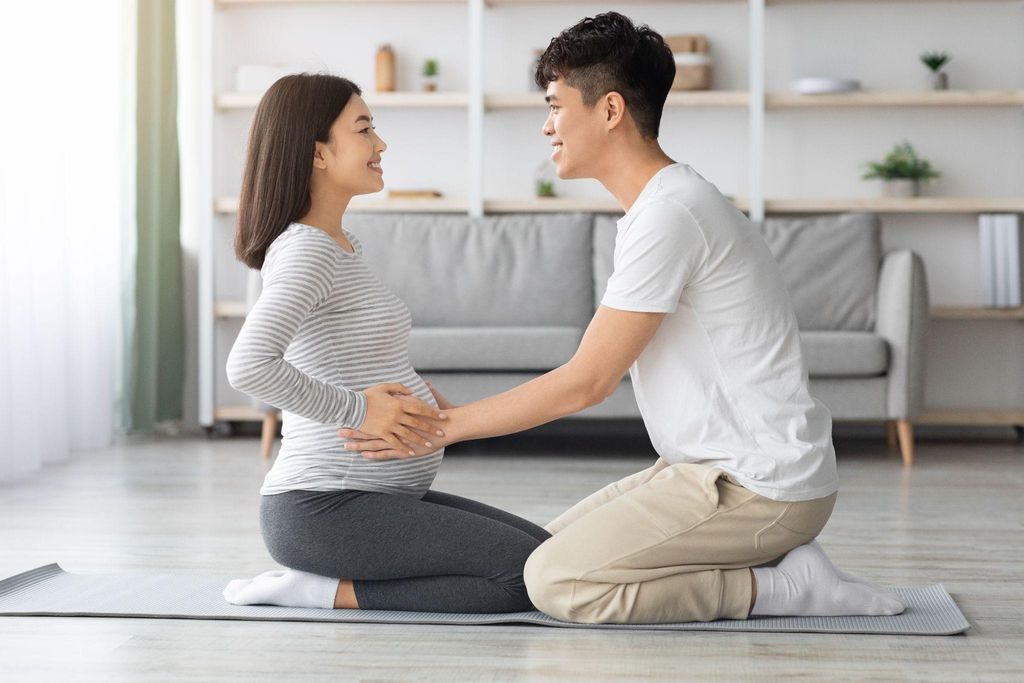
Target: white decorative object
<point>820,85</point>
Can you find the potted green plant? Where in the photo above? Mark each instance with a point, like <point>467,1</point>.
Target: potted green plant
<point>901,171</point>
<point>544,179</point>
<point>935,61</point>
<point>430,75</point>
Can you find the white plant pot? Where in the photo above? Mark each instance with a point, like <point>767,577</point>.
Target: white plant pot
<point>901,187</point>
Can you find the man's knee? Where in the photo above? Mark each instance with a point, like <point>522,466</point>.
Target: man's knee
<point>549,586</point>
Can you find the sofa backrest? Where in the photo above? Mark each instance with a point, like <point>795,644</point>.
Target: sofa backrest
<point>829,265</point>
<point>512,270</point>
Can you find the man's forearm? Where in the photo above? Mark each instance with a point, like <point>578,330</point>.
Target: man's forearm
<point>558,393</point>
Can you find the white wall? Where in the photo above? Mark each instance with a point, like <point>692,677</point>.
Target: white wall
<point>813,153</point>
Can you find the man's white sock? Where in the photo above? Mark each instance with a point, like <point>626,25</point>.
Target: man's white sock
<point>285,587</point>
<point>807,584</point>
<point>844,575</point>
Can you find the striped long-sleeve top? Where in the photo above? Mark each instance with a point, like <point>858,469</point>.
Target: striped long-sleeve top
<point>323,329</point>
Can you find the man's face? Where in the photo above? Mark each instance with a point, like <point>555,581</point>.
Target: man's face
<point>576,131</point>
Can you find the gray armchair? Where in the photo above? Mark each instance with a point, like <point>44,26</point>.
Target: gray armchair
<point>903,322</point>
<point>863,318</point>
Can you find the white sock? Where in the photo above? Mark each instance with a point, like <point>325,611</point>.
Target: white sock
<point>806,584</point>
<point>285,587</point>
<point>844,575</point>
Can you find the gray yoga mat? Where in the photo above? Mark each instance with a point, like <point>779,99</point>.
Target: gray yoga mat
<point>50,591</point>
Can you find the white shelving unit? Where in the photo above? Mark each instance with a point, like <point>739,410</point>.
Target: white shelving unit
<point>476,104</point>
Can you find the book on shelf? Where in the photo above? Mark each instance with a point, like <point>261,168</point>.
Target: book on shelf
<point>986,264</point>
<point>1014,255</point>
<point>1001,241</point>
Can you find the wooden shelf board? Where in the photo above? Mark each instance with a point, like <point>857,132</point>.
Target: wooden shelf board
<point>550,205</point>
<point>228,205</point>
<point>692,99</point>
<point>842,2</point>
<point>899,98</point>
<point>709,98</point>
<point>561,204</point>
<point>696,98</point>
<point>524,100</point>
<point>376,100</point>
<point>898,205</point>
<point>242,3</point>
<point>619,2</point>
<point>976,313</point>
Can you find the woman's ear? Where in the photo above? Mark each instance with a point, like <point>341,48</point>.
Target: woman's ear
<point>318,156</point>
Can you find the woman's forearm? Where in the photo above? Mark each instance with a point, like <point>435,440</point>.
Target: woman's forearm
<point>262,374</point>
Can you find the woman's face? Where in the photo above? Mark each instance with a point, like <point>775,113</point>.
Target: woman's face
<point>350,161</point>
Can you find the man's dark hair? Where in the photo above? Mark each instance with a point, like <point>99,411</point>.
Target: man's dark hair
<point>609,53</point>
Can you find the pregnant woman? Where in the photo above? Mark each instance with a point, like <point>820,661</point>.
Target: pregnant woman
<point>327,343</point>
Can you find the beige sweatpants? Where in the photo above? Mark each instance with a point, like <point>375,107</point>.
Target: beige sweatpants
<point>672,543</point>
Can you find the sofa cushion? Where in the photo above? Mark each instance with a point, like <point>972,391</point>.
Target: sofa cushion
<point>454,271</point>
<point>830,267</point>
<point>500,349</point>
<point>844,354</point>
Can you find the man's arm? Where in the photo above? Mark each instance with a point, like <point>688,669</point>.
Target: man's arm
<point>613,340</point>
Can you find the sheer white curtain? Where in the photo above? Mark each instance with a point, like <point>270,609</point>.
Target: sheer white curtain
<point>66,194</point>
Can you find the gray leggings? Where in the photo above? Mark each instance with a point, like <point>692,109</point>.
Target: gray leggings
<point>441,553</point>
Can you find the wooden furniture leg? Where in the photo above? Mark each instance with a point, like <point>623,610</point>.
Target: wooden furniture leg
<point>269,433</point>
<point>906,434</point>
<point>890,434</point>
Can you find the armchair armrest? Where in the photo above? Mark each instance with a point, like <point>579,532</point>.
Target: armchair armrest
<point>902,320</point>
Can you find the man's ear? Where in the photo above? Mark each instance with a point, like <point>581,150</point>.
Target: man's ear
<point>615,109</point>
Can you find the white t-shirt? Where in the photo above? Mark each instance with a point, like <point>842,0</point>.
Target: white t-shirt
<point>723,382</point>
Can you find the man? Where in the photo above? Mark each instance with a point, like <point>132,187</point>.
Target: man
<point>697,312</point>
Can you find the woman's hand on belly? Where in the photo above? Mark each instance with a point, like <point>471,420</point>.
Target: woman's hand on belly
<point>401,420</point>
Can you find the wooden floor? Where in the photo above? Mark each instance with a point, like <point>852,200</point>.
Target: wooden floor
<point>190,504</point>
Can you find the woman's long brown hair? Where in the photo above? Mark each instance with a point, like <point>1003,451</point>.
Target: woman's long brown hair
<point>295,112</point>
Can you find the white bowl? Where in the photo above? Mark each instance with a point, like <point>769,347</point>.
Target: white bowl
<point>818,85</point>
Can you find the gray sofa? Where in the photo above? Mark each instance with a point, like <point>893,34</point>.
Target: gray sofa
<point>498,300</point>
